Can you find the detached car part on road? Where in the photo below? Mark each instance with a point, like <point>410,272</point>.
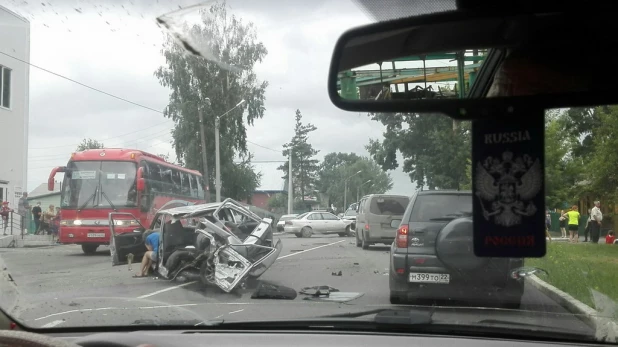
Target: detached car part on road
<point>222,244</point>
<point>433,255</point>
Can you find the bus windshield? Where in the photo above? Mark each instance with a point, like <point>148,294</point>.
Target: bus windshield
<point>99,184</point>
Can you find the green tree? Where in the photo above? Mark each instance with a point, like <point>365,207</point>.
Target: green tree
<point>279,203</point>
<point>603,160</point>
<point>89,144</point>
<point>336,167</point>
<point>225,76</point>
<point>304,165</point>
<point>434,148</point>
<point>563,170</point>
<point>240,180</point>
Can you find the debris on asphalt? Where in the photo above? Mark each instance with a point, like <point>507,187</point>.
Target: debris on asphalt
<point>337,273</point>
<point>318,290</point>
<point>266,290</point>
<point>355,263</point>
<point>336,297</point>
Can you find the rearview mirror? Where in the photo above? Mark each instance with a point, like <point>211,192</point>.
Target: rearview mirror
<point>447,62</point>
<point>395,223</point>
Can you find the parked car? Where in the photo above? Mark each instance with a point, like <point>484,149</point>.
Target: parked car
<point>318,222</point>
<point>433,257</point>
<point>375,213</point>
<point>282,220</point>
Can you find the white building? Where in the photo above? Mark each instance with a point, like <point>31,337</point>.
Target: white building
<point>14,99</point>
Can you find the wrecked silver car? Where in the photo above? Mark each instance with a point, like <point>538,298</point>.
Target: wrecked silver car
<point>222,244</point>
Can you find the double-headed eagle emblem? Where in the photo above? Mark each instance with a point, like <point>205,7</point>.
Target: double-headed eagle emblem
<point>507,186</point>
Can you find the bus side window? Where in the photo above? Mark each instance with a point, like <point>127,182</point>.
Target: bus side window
<point>175,176</point>
<point>200,188</point>
<point>166,180</point>
<point>154,178</point>
<point>184,184</point>
<point>145,197</point>
<point>193,179</point>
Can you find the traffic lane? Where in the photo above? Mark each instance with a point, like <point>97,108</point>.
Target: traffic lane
<point>210,302</point>
<point>53,279</point>
<point>303,262</point>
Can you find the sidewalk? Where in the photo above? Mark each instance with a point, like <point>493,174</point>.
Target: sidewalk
<point>29,240</point>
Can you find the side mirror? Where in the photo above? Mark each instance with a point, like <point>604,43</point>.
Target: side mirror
<point>141,184</point>
<point>395,223</point>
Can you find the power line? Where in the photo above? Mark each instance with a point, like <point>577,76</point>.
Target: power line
<point>108,94</point>
<point>83,84</point>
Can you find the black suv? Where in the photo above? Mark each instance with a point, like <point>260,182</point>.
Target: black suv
<point>433,256</point>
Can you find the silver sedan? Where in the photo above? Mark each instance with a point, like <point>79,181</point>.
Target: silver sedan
<point>318,222</point>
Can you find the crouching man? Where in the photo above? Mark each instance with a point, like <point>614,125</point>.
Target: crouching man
<point>151,240</point>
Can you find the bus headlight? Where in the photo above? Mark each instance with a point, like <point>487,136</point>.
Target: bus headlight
<point>77,222</point>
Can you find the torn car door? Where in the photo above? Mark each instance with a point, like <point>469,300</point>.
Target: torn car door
<point>129,245</point>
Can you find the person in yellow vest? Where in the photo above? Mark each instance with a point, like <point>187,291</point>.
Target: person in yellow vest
<point>573,217</point>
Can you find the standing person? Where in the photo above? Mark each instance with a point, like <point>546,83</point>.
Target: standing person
<point>573,216</point>
<point>547,225</point>
<point>48,217</point>
<point>4,212</point>
<point>597,218</point>
<point>22,209</point>
<point>36,216</point>
<point>587,228</point>
<point>563,224</point>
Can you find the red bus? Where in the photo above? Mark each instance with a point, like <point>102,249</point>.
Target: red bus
<point>100,181</point>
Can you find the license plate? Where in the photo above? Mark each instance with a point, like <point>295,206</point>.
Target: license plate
<point>96,235</point>
<point>429,278</point>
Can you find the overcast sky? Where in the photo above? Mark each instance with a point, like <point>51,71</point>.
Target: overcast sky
<point>116,49</point>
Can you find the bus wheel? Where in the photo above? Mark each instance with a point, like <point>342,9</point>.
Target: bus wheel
<point>89,248</point>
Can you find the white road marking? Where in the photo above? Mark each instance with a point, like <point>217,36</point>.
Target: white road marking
<point>53,324</point>
<point>310,249</point>
<point>164,290</point>
<point>236,311</point>
<point>186,284</point>
<point>113,308</point>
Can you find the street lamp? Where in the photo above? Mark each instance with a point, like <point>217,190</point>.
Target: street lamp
<point>217,151</point>
<point>345,190</point>
<point>358,190</point>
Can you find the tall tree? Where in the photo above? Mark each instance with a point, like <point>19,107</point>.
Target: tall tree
<point>336,167</point>
<point>563,170</point>
<point>304,165</point>
<point>435,152</point>
<point>603,160</point>
<point>241,180</point>
<point>223,72</point>
<point>89,144</point>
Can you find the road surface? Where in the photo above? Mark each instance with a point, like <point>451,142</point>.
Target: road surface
<point>59,286</point>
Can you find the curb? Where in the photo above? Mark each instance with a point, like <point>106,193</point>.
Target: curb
<point>605,328</point>
<point>10,294</point>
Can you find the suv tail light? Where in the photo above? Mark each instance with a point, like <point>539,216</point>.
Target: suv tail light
<point>402,236</point>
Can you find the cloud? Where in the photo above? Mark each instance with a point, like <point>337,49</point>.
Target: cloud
<point>116,49</point>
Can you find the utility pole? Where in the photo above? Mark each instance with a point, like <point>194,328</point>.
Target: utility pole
<point>204,157</point>
<point>290,186</point>
<point>217,162</point>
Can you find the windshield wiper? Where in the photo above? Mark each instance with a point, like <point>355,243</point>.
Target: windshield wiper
<point>108,200</point>
<point>92,197</point>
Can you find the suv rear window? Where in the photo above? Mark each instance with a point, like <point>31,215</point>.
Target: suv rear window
<point>391,205</point>
<point>436,206</point>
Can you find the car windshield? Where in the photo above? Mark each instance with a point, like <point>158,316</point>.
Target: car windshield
<point>99,184</point>
<point>115,111</point>
<point>350,213</point>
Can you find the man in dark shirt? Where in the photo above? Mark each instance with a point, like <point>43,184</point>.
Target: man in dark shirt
<point>22,208</point>
<point>36,215</point>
